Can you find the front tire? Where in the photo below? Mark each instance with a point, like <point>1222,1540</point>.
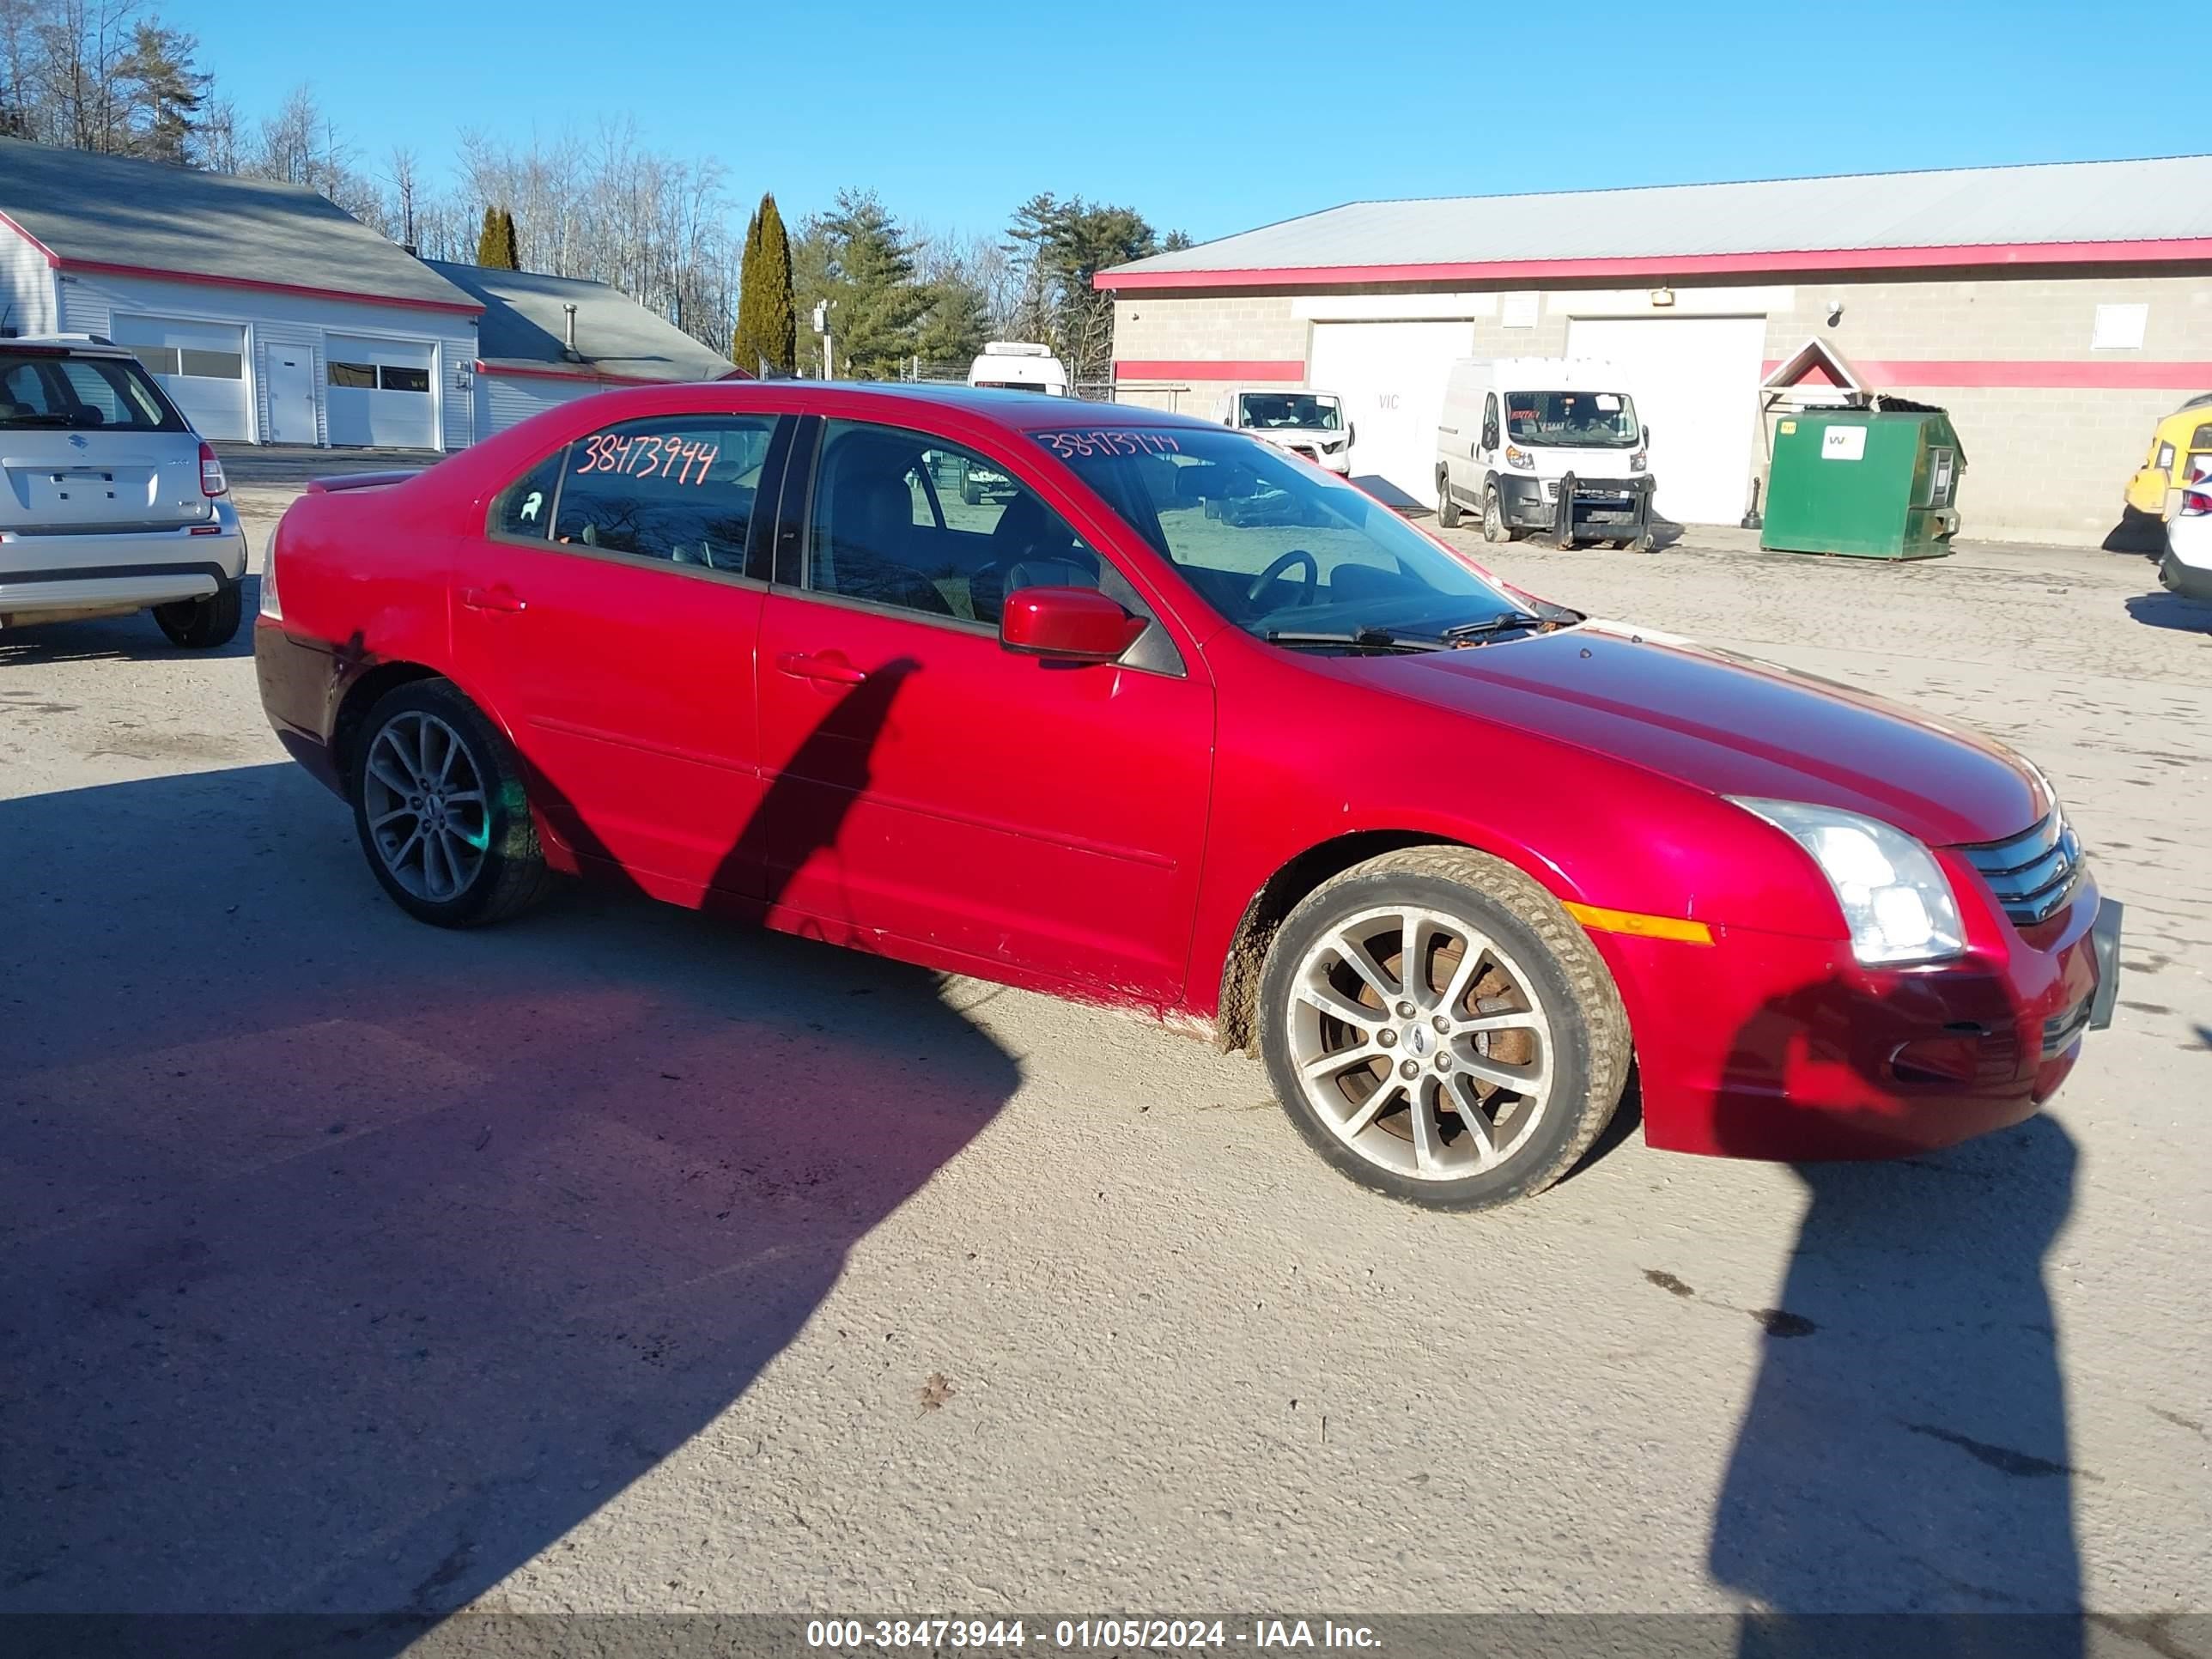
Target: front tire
<point>203,624</point>
<point>1447,508</point>
<point>439,805</point>
<point>1475,1078</point>
<point>1493,517</point>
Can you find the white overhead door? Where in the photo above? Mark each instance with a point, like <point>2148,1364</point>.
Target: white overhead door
<point>202,366</point>
<point>383,393</point>
<point>1695,381</point>
<point>1391,377</point>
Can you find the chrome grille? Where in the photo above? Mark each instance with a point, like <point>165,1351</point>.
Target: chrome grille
<point>2032,874</point>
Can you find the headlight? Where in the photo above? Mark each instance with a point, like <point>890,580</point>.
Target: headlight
<point>1896,900</point>
<point>1520,458</point>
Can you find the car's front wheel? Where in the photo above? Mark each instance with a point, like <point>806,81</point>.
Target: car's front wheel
<point>1439,1028</point>
<point>1493,517</point>
<point>439,804</point>
<point>203,624</point>
<point>1447,507</point>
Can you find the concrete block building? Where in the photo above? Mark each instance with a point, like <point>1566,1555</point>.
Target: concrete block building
<point>2057,312</point>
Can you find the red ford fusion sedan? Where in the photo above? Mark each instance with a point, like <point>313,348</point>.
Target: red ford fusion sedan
<point>1178,722</point>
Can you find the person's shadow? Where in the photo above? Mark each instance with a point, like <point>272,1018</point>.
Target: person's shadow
<point>350,1265</point>
<point>1901,1483</point>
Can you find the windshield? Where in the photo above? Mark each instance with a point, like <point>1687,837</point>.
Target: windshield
<point>1572,420</point>
<point>1273,543</point>
<point>43,389</point>
<point>1269,410</point>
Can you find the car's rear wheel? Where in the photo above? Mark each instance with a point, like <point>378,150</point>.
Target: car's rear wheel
<point>1447,507</point>
<point>203,624</point>
<point>1493,517</point>
<point>1441,1030</point>
<point>439,803</point>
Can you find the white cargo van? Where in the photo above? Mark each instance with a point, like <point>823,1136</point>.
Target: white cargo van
<point>1548,444</point>
<point>1018,366</point>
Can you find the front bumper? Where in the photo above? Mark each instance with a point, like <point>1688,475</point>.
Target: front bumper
<point>1767,1046</point>
<point>1601,509</point>
<point>43,574</point>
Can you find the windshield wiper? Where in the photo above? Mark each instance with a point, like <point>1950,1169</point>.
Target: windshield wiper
<point>1496,624</point>
<point>1359,639</point>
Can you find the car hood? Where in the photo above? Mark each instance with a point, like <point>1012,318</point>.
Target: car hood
<point>1730,725</point>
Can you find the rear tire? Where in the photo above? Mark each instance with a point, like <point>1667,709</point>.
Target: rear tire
<point>1494,529</point>
<point>439,805</point>
<point>1478,1079</point>
<point>203,624</point>
<point>1447,507</point>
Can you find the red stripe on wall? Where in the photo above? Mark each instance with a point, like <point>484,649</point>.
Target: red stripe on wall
<point>522,372</point>
<point>466,308</point>
<point>1170,369</point>
<point>2163,251</point>
<point>2043,375</point>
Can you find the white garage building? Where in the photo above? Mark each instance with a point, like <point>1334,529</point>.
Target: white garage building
<point>544,341</point>
<point>2057,312</point>
<point>270,315</point>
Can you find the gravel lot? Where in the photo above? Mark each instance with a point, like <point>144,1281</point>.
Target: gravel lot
<point>618,1260</point>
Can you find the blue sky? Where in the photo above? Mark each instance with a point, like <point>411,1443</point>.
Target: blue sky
<point>1213,116</point>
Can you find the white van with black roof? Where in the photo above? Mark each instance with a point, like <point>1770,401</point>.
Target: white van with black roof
<point>110,503</point>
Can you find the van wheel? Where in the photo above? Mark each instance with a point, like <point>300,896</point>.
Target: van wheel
<point>203,624</point>
<point>1441,1030</point>
<point>1493,517</point>
<point>1447,508</point>
<point>439,805</point>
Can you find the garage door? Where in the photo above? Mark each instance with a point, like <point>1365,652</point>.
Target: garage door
<point>1696,381</point>
<point>202,366</point>
<point>381,394</point>
<point>1391,377</point>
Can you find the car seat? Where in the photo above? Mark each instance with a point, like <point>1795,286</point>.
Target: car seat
<point>1029,548</point>
<point>871,525</point>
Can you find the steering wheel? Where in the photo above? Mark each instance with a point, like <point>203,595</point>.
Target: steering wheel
<point>1265,579</point>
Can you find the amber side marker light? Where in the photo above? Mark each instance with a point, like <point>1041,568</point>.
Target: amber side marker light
<point>1644,927</point>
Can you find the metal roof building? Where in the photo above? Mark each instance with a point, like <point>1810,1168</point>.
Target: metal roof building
<point>2057,310</point>
<point>544,340</point>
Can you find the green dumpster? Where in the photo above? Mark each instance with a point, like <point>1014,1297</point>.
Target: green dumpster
<point>1875,484</point>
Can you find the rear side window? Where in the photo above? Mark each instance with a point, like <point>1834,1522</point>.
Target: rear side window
<point>82,394</point>
<point>679,489</point>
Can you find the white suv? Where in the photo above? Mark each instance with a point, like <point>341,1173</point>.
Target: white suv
<point>109,501</point>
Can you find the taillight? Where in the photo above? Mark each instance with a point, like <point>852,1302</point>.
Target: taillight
<point>2195,504</point>
<point>212,483</point>
<point>269,605</point>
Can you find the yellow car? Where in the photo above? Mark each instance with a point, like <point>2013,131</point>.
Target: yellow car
<point>2181,446</point>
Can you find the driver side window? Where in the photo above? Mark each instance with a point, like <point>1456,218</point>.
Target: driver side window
<point>1490,421</point>
<point>904,519</point>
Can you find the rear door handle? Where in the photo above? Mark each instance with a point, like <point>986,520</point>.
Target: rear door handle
<point>801,666</point>
<point>501,598</point>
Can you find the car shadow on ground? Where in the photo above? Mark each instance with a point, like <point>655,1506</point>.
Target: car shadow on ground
<point>350,1263</point>
<point>135,638</point>
<point>2172,610</point>
<point>1905,1450</point>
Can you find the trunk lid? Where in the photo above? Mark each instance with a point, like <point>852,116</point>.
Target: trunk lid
<point>56,480</point>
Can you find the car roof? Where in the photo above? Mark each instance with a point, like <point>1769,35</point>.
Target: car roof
<point>89,345</point>
<point>1014,411</point>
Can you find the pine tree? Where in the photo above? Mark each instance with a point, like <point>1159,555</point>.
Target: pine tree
<point>162,93</point>
<point>510,244</point>
<point>745,349</point>
<point>778,311</point>
<point>487,240</point>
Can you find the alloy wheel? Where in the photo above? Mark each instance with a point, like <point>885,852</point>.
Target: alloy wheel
<point>1420,1042</point>
<point>423,801</point>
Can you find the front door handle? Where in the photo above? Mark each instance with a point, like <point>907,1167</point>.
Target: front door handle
<point>801,666</point>
<point>501,598</point>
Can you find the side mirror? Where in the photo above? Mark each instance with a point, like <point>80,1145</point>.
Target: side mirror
<point>1646,439</point>
<point>1350,432</point>
<point>1070,625</point>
